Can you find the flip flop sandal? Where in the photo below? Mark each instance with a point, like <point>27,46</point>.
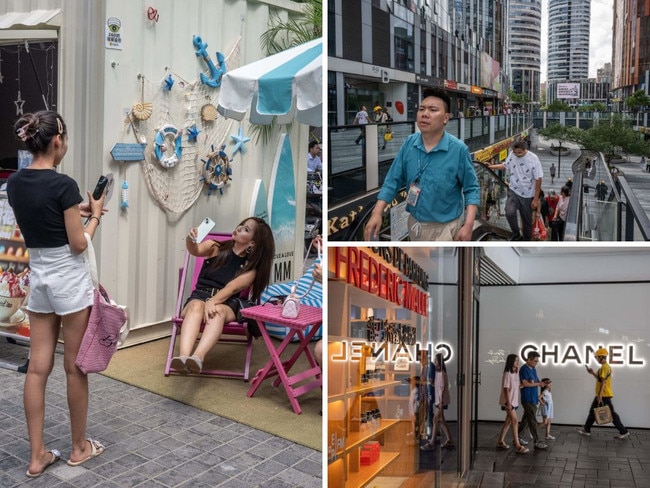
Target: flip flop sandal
<point>56,455</point>
<point>448,445</point>
<point>96,448</point>
<point>502,445</point>
<point>428,447</point>
<point>521,450</point>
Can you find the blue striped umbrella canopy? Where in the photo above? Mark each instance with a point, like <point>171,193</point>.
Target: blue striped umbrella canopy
<point>287,85</point>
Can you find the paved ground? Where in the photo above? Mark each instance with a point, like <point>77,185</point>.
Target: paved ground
<point>633,170</point>
<point>571,461</point>
<point>151,441</point>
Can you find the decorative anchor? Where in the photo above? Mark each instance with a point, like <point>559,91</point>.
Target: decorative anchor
<point>214,80</point>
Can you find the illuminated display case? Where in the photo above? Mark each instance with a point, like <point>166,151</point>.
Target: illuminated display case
<point>371,427</point>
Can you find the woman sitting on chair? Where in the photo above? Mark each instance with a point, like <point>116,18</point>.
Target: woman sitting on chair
<point>230,267</point>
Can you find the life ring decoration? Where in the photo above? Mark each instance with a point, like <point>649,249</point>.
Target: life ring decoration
<point>168,133</point>
<point>216,170</point>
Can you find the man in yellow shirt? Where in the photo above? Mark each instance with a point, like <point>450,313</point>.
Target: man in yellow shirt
<point>604,396</point>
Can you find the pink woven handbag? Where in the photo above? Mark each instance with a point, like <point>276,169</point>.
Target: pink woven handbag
<point>105,324</point>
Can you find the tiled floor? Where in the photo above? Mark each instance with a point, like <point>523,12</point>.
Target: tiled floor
<point>150,441</point>
<point>571,461</point>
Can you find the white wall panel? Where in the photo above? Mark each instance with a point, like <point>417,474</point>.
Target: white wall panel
<point>565,315</point>
<point>140,250</point>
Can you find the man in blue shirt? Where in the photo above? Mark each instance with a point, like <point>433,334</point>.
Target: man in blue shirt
<point>436,169</point>
<point>530,398</point>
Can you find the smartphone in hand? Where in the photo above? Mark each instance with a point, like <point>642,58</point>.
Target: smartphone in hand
<point>204,229</point>
<point>100,187</point>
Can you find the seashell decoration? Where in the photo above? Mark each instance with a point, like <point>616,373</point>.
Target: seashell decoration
<point>142,111</point>
<point>208,112</point>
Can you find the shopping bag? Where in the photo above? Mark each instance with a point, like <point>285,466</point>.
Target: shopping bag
<point>603,414</point>
<point>107,325</point>
<point>539,230</point>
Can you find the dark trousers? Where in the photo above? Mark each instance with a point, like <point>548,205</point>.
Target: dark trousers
<point>529,419</point>
<point>361,137</point>
<point>516,204</point>
<point>557,230</point>
<point>591,418</point>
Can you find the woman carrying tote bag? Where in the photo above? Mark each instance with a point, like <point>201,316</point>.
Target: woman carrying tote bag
<point>48,208</point>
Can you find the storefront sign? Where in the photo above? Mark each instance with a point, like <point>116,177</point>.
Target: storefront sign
<point>573,354</point>
<point>491,151</point>
<point>391,353</point>
<point>451,85</point>
<point>342,219</point>
<point>429,81</point>
<point>365,272</point>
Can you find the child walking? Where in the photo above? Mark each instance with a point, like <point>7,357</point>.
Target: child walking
<point>546,407</point>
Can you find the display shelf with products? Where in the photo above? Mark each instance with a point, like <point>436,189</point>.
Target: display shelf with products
<point>370,427</point>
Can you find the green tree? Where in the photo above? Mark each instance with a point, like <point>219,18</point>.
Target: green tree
<point>637,100</point>
<point>520,99</point>
<point>594,107</point>
<point>559,106</point>
<point>295,30</point>
<point>614,136</point>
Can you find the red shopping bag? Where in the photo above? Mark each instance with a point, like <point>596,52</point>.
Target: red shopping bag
<point>539,229</point>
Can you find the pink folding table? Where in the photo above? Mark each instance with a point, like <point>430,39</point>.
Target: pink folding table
<point>309,316</point>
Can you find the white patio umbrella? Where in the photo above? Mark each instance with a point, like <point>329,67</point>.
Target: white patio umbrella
<point>286,85</point>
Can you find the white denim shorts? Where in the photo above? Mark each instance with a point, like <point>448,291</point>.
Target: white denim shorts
<point>59,281</point>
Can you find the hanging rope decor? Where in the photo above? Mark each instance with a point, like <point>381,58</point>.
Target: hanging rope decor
<point>216,170</point>
<point>176,189</point>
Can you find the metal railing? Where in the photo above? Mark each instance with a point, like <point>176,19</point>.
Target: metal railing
<point>612,212</point>
<point>359,156</point>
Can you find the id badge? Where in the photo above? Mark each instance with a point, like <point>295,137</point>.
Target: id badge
<point>413,195</point>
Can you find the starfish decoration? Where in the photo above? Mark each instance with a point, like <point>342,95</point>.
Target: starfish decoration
<point>192,133</point>
<point>19,102</point>
<point>240,141</point>
<point>169,82</point>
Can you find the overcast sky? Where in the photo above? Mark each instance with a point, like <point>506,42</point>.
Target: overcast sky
<point>600,35</point>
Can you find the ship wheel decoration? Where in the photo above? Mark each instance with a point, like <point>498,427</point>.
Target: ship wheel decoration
<point>216,170</point>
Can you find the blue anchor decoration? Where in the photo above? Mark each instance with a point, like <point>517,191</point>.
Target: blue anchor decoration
<point>192,133</point>
<point>240,139</point>
<point>214,80</point>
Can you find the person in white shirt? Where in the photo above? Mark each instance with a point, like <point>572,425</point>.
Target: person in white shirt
<point>314,162</point>
<point>526,174</point>
<point>361,118</point>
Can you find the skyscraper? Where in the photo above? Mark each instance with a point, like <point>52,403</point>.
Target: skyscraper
<point>524,47</point>
<point>568,40</point>
<point>631,48</point>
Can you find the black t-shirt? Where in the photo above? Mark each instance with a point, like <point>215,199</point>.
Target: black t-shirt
<point>211,277</point>
<point>39,198</point>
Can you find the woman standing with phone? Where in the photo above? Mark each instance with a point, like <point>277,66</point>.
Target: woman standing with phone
<point>47,208</point>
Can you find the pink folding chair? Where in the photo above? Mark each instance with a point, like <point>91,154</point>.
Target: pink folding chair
<point>233,332</point>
